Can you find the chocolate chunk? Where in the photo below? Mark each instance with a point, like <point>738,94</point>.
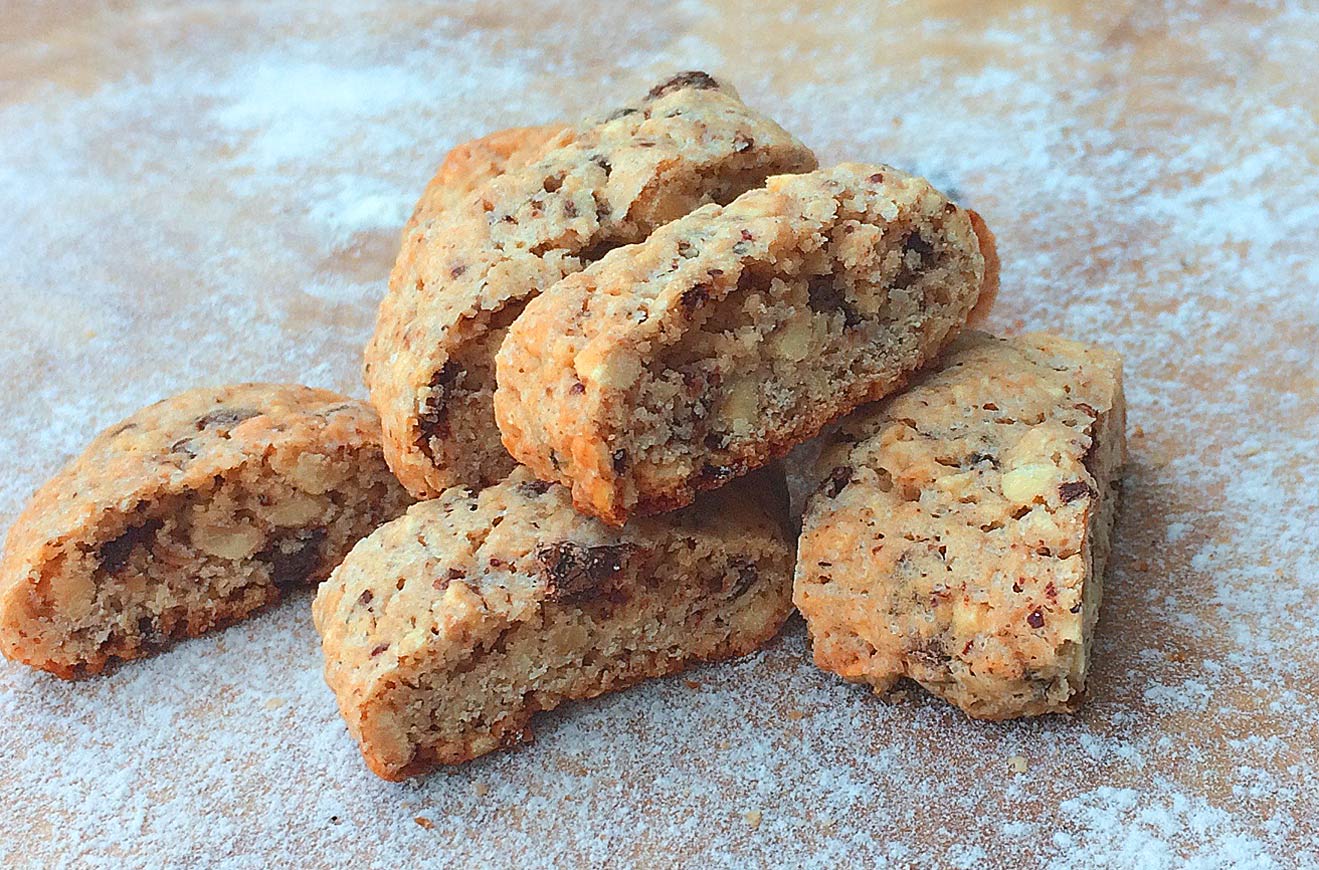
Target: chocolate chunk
<point>837,481</point>
<point>715,441</point>
<point>225,419</point>
<point>577,388</point>
<point>695,297</point>
<point>824,297</point>
<point>877,178</point>
<point>746,574</point>
<point>379,649</point>
<point>365,598</point>
<point>569,208</point>
<point>619,461</point>
<point>113,555</point>
<point>719,473</point>
<point>977,458</point>
<point>535,487</point>
<point>294,559</point>
<point>689,79</point>
<point>1036,618</point>
<point>1074,489</point>
<point>918,243</point>
<point>600,161</point>
<point>433,419</point>
<point>457,271</point>
<point>576,573</point>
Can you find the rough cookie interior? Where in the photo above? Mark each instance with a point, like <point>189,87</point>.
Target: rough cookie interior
<point>508,603</point>
<point>738,333</point>
<point>153,567</point>
<point>463,277</point>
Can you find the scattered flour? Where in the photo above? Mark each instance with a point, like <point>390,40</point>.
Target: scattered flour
<point>199,193</point>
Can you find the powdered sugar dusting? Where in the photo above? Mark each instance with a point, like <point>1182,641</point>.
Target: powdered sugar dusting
<point>192,196</point>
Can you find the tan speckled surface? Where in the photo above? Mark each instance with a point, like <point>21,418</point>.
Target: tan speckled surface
<point>212,192</point>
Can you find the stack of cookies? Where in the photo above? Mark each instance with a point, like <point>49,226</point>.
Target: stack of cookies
<point>597,342</point>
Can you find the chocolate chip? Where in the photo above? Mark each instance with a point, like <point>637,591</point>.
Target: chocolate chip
<point>294,559</point>
<point>977,458</point>
<point>576,573</point>
<point>569,208</point>
<point>1074,489</point>
<point>918,243</point>
<point>577,388</point>
<point>225,418</point>
<point>433,419</point>
<point>718,473</point>
<point>378,650</point>
<point>747,574</point>
<point>689,79</point>
<point>457,271</point>
<point>600,161</point>
<point>113,555</point>
<point>877,178</point>
<point>365,598</point>
<point>825,297</point>
<point>715,441</point>
<point>619,461</point>
<point>535,487</point>
<point>1036,618</point>
<point>694,297</point>
<point>837,481</point>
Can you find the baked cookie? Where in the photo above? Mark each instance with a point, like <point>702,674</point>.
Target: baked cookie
<point>470,166</point>
<point>188,515</point>
<point>960,533</point>
<point>733,334</point>
<point>464,276</point>
<point>448,629</point>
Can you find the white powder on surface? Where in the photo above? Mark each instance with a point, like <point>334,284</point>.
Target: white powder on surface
<point>208,193</point>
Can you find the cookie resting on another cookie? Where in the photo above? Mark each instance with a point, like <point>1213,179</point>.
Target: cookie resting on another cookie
<point>462,277</point>
<point>190,514</point>
<point>448,629</point>
<point>735,333</point>
<point>961,531</point>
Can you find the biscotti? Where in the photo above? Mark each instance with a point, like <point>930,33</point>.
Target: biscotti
<point>189,515</point>
<point>448,629</point>
<point>472,165</point>
<point>961,529</point>
<point>464,276</point>
<point>735,333</point>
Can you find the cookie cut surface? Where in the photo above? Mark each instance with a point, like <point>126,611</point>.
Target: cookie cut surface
<point>462,277</point>
<point>189,515</point>
<point>960,530</point>
<point>448,629</point>
<point>735,333</point>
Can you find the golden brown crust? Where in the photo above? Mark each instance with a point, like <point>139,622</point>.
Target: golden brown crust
<point>734,334</point>
<point>463,277</point>
<point>180,454</point>
<point>960,530</point>
<point>471,165</point>
<point>448,629</point>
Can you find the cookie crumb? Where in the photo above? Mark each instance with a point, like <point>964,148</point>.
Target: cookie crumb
<point>796,715</point>
<point>424,822</point>
<point>723,745</point>
<point>274,703</point>
<point>693,684</point>
<point>481,789</point>
<point>1017,763</point>
<point>752,818</point>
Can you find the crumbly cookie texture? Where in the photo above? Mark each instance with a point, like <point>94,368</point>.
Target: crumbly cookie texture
<point>735,333</point>
<point>465,275</point>
<point>448,629</point>
<point>189,515</point>
<point>960,531</point>
<point>470,166</point>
